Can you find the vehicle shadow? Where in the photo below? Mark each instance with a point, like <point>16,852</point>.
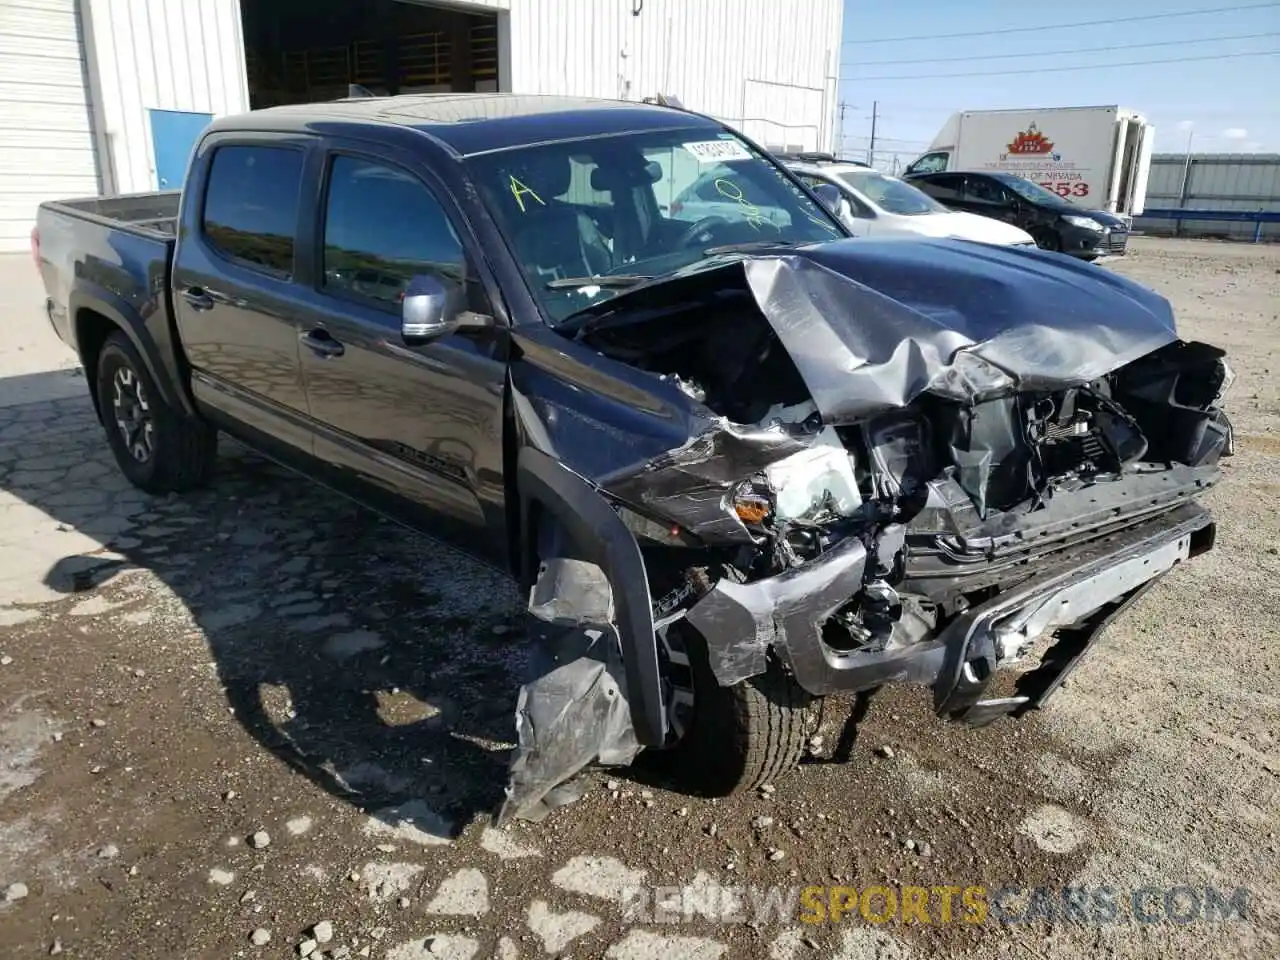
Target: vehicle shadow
<point>382,666</point>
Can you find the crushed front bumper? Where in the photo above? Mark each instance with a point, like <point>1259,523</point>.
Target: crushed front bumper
<point>1112,242</point>
<point>1074,600</point>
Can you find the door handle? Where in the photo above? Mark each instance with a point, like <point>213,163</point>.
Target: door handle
<point>198,298</point>
<point>322,344</point>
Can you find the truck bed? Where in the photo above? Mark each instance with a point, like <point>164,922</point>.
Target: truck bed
<point>111,256</point>
<point>150,213</point>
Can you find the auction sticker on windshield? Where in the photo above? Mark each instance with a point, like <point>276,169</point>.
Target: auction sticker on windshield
<point>717,151</point>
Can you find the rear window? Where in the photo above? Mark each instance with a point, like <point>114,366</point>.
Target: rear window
<point>251,205</point>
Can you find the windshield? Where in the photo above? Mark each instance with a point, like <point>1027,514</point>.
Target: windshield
<point>637,206</point>
<point>1034,192</point>
<point>890,194</point>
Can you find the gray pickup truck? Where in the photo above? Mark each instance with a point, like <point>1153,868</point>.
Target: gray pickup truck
<point>738,464</point>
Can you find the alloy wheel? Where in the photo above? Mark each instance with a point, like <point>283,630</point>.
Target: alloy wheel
<point>132,413</point>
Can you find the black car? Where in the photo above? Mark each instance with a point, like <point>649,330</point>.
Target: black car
<point>1055,222</point>
<point>735,465</point>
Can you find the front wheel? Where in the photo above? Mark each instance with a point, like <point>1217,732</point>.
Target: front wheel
<point>731,738</point>
<point>1047,239</point>
<point>159,449</point>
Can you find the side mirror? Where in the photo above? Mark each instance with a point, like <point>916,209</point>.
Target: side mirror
<point>830,196</point>
<point>431,308</point>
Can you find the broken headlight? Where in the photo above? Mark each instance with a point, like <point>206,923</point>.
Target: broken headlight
<point>753,502</point>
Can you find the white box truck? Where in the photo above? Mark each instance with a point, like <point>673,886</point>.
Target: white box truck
<point>1099,157</point>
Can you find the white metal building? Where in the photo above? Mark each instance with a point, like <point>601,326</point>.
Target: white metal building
<point>107,96</point>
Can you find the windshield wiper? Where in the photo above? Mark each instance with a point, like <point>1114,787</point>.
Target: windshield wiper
<point>748,245</point>
<point>607,280</point>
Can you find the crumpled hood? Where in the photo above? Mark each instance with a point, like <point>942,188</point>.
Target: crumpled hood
<point>871,324</point>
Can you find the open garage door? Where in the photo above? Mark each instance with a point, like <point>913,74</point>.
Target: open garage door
<point>303,51</point>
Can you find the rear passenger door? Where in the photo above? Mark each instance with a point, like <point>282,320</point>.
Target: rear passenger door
<point>233,286</point>
<point>947,189</point>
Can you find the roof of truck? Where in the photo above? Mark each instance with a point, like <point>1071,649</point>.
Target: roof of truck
<point>471,123</point>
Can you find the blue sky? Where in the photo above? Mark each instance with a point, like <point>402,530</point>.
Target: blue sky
<point>1227,105</point>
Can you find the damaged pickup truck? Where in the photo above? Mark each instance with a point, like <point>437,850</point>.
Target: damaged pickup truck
<point>738,463</point>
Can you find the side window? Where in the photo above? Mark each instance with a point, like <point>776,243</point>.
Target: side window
<point>982,190</point>
<point>944,189</point>
<point>930,163</point>
<point>856,206</point>
<point>860,209</point>
<point>582,189</point>
<point>251,205</point>
<point>382,227</point>
<point>707,190</point>
<point>678,171</point>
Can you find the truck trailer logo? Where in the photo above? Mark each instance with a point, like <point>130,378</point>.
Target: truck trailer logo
<point>1030,142</point>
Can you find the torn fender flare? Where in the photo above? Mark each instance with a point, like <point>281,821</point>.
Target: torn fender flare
<point>597,534</point>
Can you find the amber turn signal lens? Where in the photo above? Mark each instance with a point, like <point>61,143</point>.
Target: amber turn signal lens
<point>751,509</point>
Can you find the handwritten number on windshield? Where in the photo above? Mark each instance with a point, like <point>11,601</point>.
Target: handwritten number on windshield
<point>731,191</point>
<point>824,224</point>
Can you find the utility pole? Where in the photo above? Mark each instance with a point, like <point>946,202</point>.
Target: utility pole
<point>839,150</point>
<point>871,153</point>
<point>1186,184</point>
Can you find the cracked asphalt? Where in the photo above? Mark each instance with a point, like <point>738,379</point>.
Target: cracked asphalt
<point>258,721</point>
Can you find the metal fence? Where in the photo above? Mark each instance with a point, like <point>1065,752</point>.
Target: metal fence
<point>1213,181</point>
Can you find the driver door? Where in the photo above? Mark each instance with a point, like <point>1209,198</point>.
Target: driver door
<point>990,198</point>
<point>415,430</point>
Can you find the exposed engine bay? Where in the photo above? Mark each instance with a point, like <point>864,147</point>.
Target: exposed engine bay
<point>929,487</point>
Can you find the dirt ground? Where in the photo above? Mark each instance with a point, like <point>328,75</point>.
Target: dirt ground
<point>259,708</point>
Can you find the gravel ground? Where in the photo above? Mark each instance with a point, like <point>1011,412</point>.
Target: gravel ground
<point>259,722</point>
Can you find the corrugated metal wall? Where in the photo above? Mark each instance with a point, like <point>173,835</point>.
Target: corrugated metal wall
<point>764,66</point>
<point>159,55</point>
<point>1216,181</point>
<point>46,126</point>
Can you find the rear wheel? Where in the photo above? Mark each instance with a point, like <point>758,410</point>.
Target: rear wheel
<point>158,448</point>
<point>735,738</point>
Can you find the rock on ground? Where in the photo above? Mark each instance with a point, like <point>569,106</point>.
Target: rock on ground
<point>413,822</point>
<point>1054,829</point>
<point>557,930</point>
<point>506,847</point>
<point>465,893</point>
<point>604,877</point>
<point>440,946</point>
<point>644,945</point>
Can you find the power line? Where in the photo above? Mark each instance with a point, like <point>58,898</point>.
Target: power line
<point>880,139</point>
<point>1088,66</point>
<point>1061,26</point>
<point>1059,53</point>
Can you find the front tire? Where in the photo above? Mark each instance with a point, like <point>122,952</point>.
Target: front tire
<point>159,449</point>
<point>738,738</point>
<point>1047,239</point>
